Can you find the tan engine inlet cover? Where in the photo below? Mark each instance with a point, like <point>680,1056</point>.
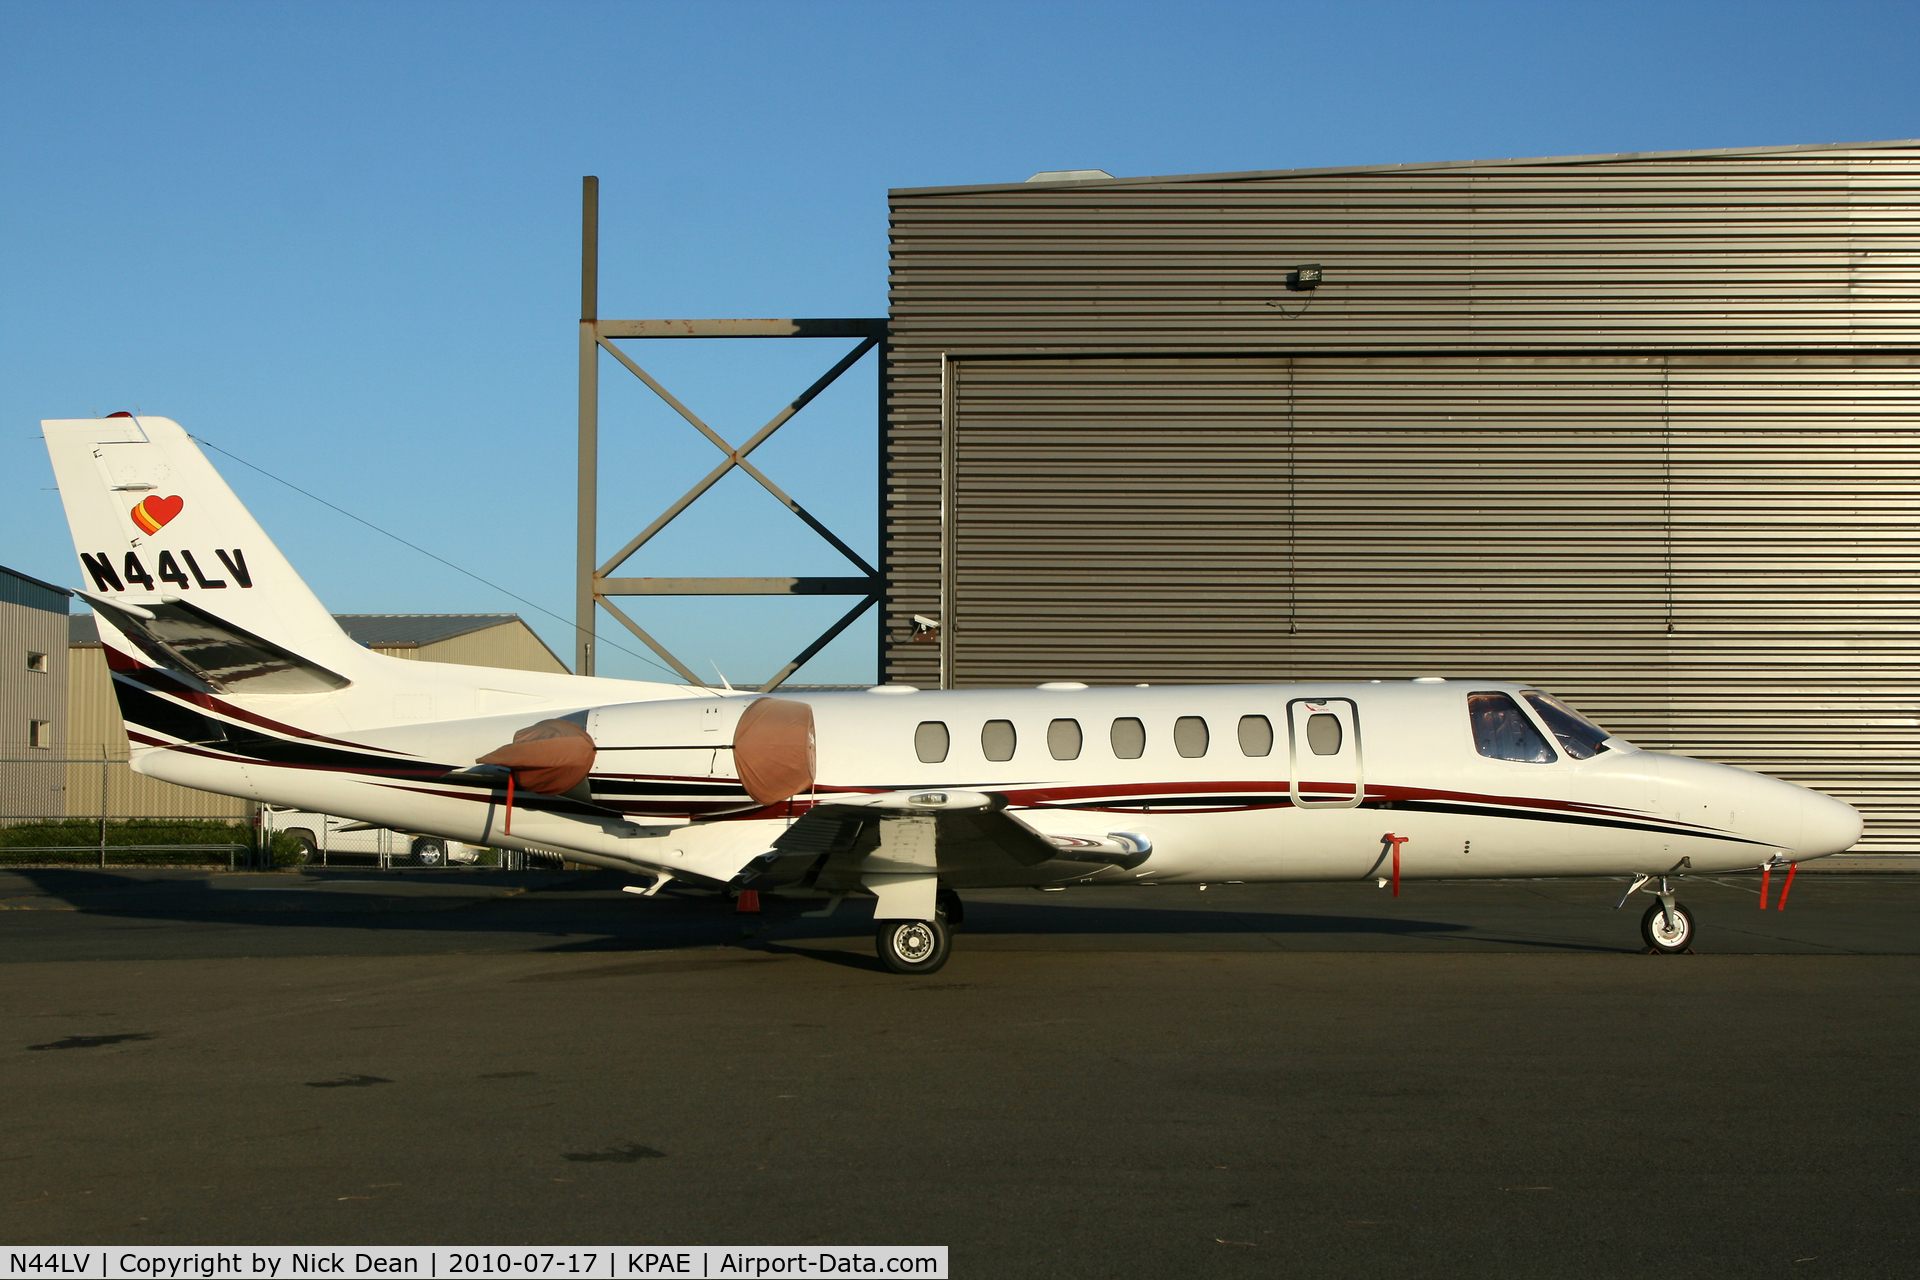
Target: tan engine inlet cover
<point>773,749</point>
<point>551,757</point>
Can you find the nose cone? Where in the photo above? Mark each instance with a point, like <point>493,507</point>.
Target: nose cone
<point>1827,826</point>
<point>1800,823</point>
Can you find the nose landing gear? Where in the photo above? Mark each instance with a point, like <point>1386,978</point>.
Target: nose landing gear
<point>1667,928</point>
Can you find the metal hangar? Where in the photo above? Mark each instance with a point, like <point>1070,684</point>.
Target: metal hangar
<point>1639,428</point>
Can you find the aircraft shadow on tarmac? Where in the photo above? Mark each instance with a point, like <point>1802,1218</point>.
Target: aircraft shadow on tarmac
<point>585,912</point>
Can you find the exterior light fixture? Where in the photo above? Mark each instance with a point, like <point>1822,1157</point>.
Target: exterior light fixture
<point>1306,276</point>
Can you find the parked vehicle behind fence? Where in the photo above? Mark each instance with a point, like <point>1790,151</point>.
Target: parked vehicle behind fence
<point>327,840</point>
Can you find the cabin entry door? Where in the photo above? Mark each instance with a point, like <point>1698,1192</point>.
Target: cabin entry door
<point>1324,763</point>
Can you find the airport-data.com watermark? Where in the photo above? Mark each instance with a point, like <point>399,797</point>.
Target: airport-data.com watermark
<point>427,1262</point>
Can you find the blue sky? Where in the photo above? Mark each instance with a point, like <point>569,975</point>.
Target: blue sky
<point>341,240</point>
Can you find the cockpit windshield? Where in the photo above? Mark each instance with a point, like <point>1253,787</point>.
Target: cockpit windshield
<point>1501,730</point>
<point>1580,737</point>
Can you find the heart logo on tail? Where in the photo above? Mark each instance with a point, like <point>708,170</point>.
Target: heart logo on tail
<point>153,512</point>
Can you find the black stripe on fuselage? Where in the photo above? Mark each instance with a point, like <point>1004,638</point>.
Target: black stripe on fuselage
<point>1213,801</point>
<point>129,674</point>
<point>1207,801</point>
<point>1537,815</point>
<point>165,717</point>
<point>170,718</point>
<point>719,788</point>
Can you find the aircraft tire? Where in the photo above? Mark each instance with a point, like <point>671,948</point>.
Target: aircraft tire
<point>913,946</point>
<point>1653,928</point>
<point>429,852</point>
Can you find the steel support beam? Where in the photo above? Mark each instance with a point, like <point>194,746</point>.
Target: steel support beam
<point>826,638</point>
<point>593,586</point>
<point>738,457</point>
<point>736,586</point>
<point>587,483</point>
<point>858,328</point>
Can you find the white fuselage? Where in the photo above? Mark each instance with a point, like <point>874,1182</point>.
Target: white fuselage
<point>1222,782</point>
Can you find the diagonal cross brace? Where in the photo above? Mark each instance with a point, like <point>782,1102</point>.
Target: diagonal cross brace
<point>649,641</point>
<point>737,458</point>
<point>826,638</point>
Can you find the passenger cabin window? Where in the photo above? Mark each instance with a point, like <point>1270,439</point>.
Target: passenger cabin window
<point>1579,737</point>
<point>1501,730</point>
<point>1063,739</point>
<point>1190,736</point>
<point>1129,739</point>
<point>930,742</point>
<point>1323,733</point>
<point>997,739</point>
<point>1256,736</point>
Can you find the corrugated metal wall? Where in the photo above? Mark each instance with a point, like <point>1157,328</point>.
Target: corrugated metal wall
<point>1635,429</point>
<point>512,645</point>
<point>30,785</point>
<point>97,733</point>
<point>1236,519</point>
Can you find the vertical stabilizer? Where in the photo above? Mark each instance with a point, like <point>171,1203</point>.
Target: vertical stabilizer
<point>154,523</point>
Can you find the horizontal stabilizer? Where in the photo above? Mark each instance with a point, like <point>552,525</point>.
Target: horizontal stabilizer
<point>187,640</point>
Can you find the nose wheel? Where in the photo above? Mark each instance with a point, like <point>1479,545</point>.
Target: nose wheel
<point>1667,928</point>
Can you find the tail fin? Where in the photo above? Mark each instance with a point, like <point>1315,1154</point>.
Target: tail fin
<point>153,524</point>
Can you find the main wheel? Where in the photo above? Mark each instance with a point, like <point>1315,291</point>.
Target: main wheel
<point>913,946</point>
<point>429,852</point>
<point>1669,940</point>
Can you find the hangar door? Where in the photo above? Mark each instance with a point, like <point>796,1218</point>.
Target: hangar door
<point>1708,554</point>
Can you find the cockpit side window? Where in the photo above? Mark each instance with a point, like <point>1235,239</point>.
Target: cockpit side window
<point>1501,730</point>
<point>1580,737</point>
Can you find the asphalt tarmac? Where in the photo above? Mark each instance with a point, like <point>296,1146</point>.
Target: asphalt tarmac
<point>1471,1080</point>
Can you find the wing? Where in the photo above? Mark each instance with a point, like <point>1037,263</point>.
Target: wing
<point>978,843</point>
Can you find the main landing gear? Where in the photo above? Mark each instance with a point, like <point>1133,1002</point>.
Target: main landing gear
<point>1667,928</point>
<point>920,946</point>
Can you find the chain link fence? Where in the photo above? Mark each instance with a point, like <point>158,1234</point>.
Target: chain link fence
<point>78,808</point>
<point>69,808</point>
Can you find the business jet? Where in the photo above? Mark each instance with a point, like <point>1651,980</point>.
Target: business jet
<point>232,677</point>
